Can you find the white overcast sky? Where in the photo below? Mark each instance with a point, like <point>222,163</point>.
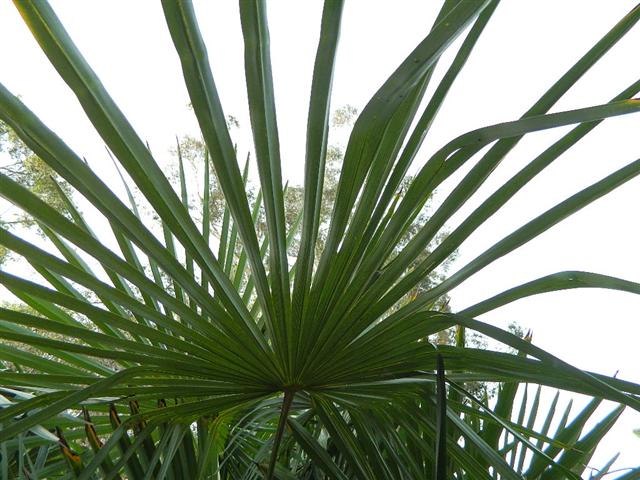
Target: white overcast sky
<point>526,47</point>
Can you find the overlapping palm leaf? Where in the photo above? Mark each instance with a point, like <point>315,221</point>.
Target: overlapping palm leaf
<point>245,364</point>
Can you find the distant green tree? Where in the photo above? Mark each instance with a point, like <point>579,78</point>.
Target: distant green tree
<point>192,152</point>
<point>25,167</point>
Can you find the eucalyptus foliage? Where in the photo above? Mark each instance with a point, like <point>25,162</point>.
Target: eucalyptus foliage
<point>171,357</point>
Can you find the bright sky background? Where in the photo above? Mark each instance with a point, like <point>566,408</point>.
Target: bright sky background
<point>525,48</point>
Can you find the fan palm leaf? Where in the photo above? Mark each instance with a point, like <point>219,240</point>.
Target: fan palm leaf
<point>185,363</point>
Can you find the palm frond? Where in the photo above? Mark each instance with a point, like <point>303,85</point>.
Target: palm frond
<point>166,353</point>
